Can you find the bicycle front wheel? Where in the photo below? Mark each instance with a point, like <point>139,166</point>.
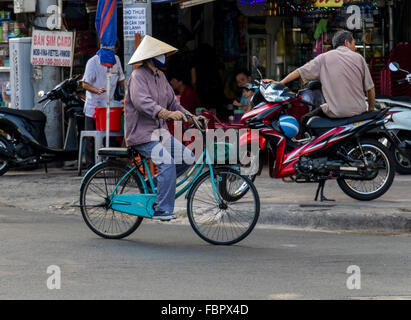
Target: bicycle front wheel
<point>95,190</point>
<point>223,221</point>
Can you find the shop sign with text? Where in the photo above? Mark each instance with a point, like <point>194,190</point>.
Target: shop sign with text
<point>135,21</point>
<point>52,48</point>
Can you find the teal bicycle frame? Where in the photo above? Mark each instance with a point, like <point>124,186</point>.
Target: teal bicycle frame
<point>142,204</point>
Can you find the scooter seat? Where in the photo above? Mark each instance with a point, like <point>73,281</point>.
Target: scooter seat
<point>114,152</point>
<point>31,115</point>
<point>326,123</point>
<point>395,99</point>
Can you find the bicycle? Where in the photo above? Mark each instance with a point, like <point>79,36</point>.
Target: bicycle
<point>115,196</point>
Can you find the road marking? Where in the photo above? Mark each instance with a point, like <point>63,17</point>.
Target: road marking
<point>383,298</point>
<point>284,296</point>
<point>289,245</point>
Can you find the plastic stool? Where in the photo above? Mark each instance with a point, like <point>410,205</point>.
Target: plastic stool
<point>99,137</point>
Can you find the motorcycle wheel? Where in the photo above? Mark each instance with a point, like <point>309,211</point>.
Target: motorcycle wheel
<point>402,163</point>
<point>256,165</point>
<point>366,190</point>
<point>4,165</point>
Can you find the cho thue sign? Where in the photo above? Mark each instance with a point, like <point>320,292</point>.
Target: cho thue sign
<point>52,48</point>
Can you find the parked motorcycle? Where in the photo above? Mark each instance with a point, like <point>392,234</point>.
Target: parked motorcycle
<point>341,149</point>
<point>22,137</point>
<point>398,138</point>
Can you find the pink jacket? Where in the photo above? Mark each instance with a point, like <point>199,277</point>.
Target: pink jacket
<point>147,93</point>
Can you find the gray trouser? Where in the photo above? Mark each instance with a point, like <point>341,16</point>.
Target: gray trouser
<point>168,156</point>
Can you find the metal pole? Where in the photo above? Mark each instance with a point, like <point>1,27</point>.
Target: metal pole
<point>48,77</point>
<point>285,62</point>
<point>383,38</point>
<point>129,40</point>
<point>108,92</point>
<point>363,40</point>
<point>391,24</point>
<point>73,49</point>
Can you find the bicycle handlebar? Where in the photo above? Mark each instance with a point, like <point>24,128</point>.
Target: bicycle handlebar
<point>196,123</point>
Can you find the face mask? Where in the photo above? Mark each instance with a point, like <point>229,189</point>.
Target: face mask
<point>159,61</point>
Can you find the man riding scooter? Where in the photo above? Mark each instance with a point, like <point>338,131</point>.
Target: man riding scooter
<point>344,77</point>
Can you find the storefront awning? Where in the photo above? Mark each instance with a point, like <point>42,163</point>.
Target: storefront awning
<point>163,1</point>
<point>182,3</point>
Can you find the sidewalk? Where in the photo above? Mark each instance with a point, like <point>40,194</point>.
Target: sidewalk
<point>282,204</point>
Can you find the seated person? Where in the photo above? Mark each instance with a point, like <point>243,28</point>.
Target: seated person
<point>344,76</point>
<point>242,77</point>
<point>248,91</point>
<point>188,97</point>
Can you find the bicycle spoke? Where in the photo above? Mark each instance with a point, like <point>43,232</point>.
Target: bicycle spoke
<point>102,219</point>
<point>226,221</point>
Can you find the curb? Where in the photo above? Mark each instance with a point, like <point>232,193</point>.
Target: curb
<point>337,217</point>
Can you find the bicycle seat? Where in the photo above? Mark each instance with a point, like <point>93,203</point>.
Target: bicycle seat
<point>114,152</point>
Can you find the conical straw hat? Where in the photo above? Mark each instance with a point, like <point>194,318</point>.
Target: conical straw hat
<point>149,48</point>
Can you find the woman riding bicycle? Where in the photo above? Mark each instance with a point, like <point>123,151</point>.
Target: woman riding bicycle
<point>149,102</point>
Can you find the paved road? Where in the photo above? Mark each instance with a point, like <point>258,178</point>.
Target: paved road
<point>282,203</point>
<point>168,261</point>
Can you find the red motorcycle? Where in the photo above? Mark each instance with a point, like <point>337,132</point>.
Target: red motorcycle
<point>341,149</point>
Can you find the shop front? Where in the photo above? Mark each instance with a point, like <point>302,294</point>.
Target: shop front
<point>12,26</point>
<point>283,34</point>
<point>294,32</point>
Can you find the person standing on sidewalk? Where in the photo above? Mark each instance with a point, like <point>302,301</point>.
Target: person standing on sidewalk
<point>94,82</point>
<point>150,101</point>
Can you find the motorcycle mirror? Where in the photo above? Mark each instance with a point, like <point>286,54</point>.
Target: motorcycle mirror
<point>394,66</point>
<point>40,94</point>
<point>256,63</point>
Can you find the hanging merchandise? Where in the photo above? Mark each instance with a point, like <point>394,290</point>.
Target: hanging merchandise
<point>5,32</point>
<point>319,45</point>
<point>6,93</point>
<point>231,47</point>
<point>320,9</point>
<point>262,53</point>
<point>321,28</point>
<point>280,43</point>
<point>252,8</point>
<point>280,8</point>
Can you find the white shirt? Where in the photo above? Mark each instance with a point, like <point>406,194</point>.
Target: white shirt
<point>96,75</point>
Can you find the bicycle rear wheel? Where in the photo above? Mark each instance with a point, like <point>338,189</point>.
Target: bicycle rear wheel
<point>94,200</point>
<point>227,222</point>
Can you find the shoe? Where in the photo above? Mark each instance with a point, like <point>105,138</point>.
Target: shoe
<point>163,216</point>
